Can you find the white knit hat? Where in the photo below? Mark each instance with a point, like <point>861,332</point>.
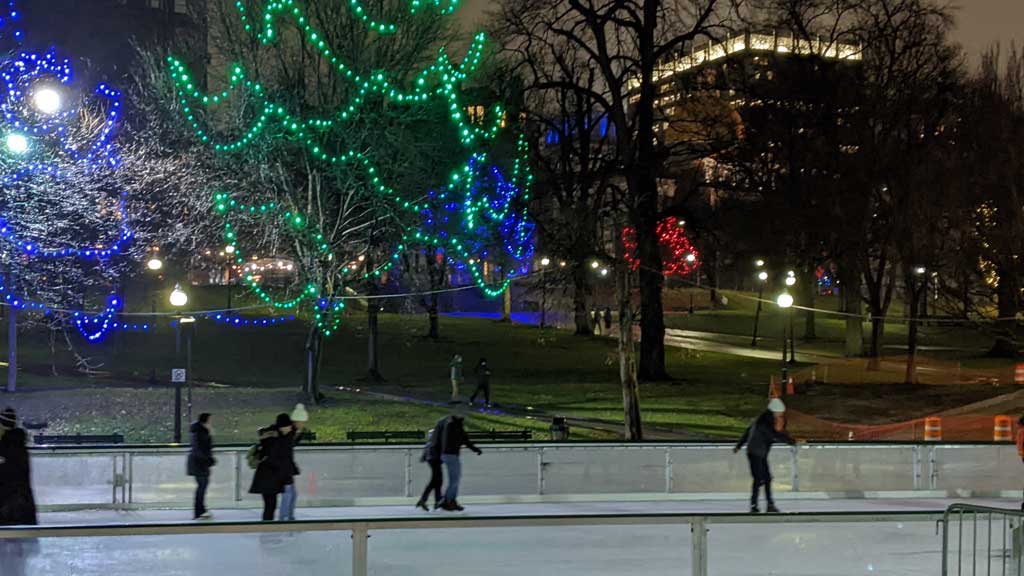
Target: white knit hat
<point>300,414</point>
<point>776,406</point>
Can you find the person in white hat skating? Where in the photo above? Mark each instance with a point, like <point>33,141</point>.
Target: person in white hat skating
<point>299,418</point>
<point>758,438</point>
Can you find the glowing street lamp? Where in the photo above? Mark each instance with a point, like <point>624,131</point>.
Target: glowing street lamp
<point>545,262</point>
<point>785,301</point>
<point>47,100</point>
<point>16,143</point>
<point>178,297</point>
<point>229,249</point>
<point>595,264</point>
<point>790,281</point>
<point>759,263</point>
<point>763,277</point>
<point>155,264</point>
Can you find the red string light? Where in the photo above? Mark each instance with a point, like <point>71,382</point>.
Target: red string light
<point>678,256</point>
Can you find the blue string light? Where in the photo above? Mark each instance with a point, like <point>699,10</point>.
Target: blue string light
<point>241,321</point>
<point>94,328</point>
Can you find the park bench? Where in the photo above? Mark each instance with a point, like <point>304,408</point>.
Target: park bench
<point>502,435</point>
<point>385,435</point>
<point>77,439</point>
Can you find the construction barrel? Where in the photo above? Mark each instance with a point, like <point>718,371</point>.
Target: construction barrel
<point>1003,429</point>
<point>932,429</point>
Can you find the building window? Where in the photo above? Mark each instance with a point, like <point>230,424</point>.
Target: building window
<point>181,6</point>
<point>154,3</point>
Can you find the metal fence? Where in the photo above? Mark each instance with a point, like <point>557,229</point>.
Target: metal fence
<point>701,528</point>
<point>982,540</point>
<point>345,475</point>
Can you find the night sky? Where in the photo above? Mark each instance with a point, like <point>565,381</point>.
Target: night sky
<point>980,22</point>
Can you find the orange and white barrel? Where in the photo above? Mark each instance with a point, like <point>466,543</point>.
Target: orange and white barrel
<point>1003,431</point>
<point>932,429</point>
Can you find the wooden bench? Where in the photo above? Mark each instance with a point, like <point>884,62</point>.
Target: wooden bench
<point>502,435</point>
<point>77,439</point>
<point>385,435</point>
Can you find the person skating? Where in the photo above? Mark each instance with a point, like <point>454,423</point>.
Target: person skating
<point>200,460</point>
<point>432,456</point>
<point>289,496</point>
<point>274,468</point>
<point>453,438</point>
<point>758,438</point>
<point>483,382</point>
<point>1020,443</point>
<point>17,504</point>
<point>456,376</point>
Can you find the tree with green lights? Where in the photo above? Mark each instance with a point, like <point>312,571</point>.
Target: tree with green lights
<point>349,130</point>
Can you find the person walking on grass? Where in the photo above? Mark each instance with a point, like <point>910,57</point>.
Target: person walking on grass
<point>275,468</point>
<point>483,382</point>
<point>453,438</point>
<point>765,430</point>
<point>200,460</point>
<point>432,456</point>
<point>289,496</point>
<point>17,504</point>
<point>456,375</point>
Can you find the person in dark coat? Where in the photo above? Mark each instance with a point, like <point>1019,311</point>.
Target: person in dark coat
<point>200,460</point>
<point>607,320</point>
<point>432,456</point>
<point>453,438</point>
<point>275,469</point>
<point>758,438</point>
<point>17,504</point>
<point>483,382</point>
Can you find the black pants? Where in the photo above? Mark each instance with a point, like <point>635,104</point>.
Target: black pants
<point>762,477</point>
<point>436,481</point>
<point>485,388</point>
<point>199,507</point>
<point>269,506</point>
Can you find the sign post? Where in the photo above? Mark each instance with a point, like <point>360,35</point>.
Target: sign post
<point>177,378</point>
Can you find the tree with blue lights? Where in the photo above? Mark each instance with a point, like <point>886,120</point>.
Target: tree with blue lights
<point>349,127</point>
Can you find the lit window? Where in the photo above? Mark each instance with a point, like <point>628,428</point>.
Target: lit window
<point>181,6</point>
<point>154,3</point>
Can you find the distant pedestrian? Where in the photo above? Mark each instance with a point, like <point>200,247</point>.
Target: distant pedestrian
<point>483,382</point>
<point>453,438</point>
<point>289,496</point>
<point>595,320</point>
<point>1020,443</point>
<point>759,437</point>
<point>200,460</point>
<point>432,456</point>
<point>607,320</point>
<point>456,375</point>
<point>275,467</point>
<point>17,504</point>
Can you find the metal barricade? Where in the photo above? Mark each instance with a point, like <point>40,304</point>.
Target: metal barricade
<point>982,540</point>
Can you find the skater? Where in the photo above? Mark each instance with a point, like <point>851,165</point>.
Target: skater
<point>432,456</point>
<point>483,382</point>
<point>275,467</point>
<point>456,371</point>
<point>758,438</point>
<point>1020,443</point>
<point>200,460</point>
<point>299,419</point>
<point>453,437</point>
<point>17,504</point>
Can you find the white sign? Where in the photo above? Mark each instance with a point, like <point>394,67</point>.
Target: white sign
<point>178,375</point>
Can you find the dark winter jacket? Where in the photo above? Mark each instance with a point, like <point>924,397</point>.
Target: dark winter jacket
<point>17,505</point>
<point>454,437</point>
<point>200,455</point>
<point>432,449</point>
<point>274,471</point>
<point>761,434</point>
<point>483,374</point>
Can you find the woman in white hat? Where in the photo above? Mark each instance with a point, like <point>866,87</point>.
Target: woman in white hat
<point>759,437</point>
<point>299,418</point>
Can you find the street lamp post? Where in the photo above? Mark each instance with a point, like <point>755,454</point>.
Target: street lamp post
<point>790,282</point>
<point>178,299</point>
<point>784,301</point>
<point>762,277</point>
<point>544,263</point>
<point>154,265</point>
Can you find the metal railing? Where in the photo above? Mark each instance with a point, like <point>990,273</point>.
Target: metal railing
<point>1006,527</point>
<point>700,526</point>
<point>345,475</point>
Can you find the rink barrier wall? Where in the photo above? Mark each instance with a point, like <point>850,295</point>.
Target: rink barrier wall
<point>153,477</point>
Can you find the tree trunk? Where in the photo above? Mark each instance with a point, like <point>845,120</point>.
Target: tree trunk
<point>435,331</point>
<point>652,314</point>
<point>1006,325</point>
<point>914,306</point>
<point>12,349</point>
<point>853,305</point>
<point>810,287</point>
<point>633,425</point>
<point>580,300</point>
<point>373,344</point>
<point>877,331</point>
<point>314,351</point>
<point>506,304</point>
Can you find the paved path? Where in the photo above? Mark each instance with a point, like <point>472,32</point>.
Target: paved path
<point>891,548</point>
